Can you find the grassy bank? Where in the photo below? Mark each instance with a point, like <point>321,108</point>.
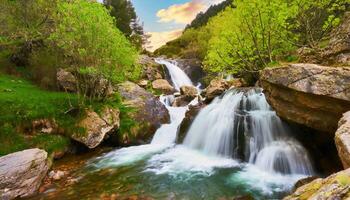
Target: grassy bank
<point>21,103</point>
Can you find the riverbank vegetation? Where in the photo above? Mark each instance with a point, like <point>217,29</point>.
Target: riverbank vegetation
<point>37,38</point>
<point>251,35</point>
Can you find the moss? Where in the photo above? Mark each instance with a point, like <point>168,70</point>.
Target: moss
<point>343,179</point>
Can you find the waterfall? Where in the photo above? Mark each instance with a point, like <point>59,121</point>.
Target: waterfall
<point>164,137</point>
<point>241,125</point>
<point>178,77</point>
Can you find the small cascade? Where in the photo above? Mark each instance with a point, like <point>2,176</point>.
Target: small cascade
<point>178,77</point>
<point>241,125</point>
<point>166,134</point>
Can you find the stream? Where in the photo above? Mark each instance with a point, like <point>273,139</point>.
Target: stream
<point>236,147</point>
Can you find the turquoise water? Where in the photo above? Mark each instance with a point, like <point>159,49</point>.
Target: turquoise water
<point>171,173</point>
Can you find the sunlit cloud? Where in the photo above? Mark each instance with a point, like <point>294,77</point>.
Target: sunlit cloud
<point>181,13</point>
<point>158,39</point>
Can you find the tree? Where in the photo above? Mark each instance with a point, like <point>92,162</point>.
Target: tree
<point>93,46</point>
<point>124,14</point>
<point>248,38</point>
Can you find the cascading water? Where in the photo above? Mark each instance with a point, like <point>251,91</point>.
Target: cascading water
<point>242,125</point>
<point>235,146</point>
<point>178,77</point>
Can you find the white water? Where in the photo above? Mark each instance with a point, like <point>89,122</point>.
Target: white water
<point>241,125</point>
<point>237,130</point>
<point>178,77</point>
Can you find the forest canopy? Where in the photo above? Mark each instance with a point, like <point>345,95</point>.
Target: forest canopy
<point>250,35</point>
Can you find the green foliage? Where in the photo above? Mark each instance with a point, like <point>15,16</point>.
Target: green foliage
<point>191,44</point>
<point>124,14</point>
<point>21,103</point>
<point>203,17</point>
<point>249,37</point>
<point>93,46</point>
<point>258,33</point>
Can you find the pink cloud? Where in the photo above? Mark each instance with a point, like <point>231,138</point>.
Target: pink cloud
<point>181,13</point>
<point>158,39</point>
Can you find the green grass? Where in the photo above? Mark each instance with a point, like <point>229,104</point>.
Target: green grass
<point>22,102</point>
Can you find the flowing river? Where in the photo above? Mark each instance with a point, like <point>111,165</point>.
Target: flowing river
<point>236,147</point>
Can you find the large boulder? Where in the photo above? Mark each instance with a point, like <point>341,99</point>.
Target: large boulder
<point>342,140</point>
<point>162,86</point>
<point>96,127</point>
<point>21,173</point>
<point>148,113</point>
<point>308,94</point>
<point>336,186</point>
<point>150,69</point>
<point>66,80</point>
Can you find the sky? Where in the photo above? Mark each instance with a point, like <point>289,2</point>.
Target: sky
<point>165,20</point>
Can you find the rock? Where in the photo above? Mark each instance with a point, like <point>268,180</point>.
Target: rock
<point>181,101</point>
<point>193,69</point>
<point>163,86</point>
<point>44,126</point>
<point>189,91</point>
<point>304,181</point>
<point>308,94</point>
<point>151,70</point>
<point>21,173</point>
<point>66,80</point>
<point>57,175</point>
<point>97,126</point>
<point>216,88</point>
<point>342,140</point>
<point>143,83</point>
<point>149,113</point>
<point>336,186</point>
<point>187,121</point>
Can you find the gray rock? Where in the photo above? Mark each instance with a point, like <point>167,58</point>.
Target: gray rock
<point>148,112</point>
<point>342,140</point>
<point>21,173</point>
<point>308,94</point>
<point>97,126</point>
<point>66,80</point>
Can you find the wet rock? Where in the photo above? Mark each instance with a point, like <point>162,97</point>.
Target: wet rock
<point>163,86</point>
<point>97,126</point>
<point>316,96</point>
<point>187,121</point>
<point>149,113</point>
<point>189,91</point>
<point>342,140</point>
<point>193,69</point>
<point>21,173</point>
<point>66,80</point>
<point>336,186</point>
<point>182,101</point>
<point>57,175</point>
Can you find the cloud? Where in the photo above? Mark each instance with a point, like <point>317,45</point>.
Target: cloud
<point>181,13</point>
<point>158,39</point>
